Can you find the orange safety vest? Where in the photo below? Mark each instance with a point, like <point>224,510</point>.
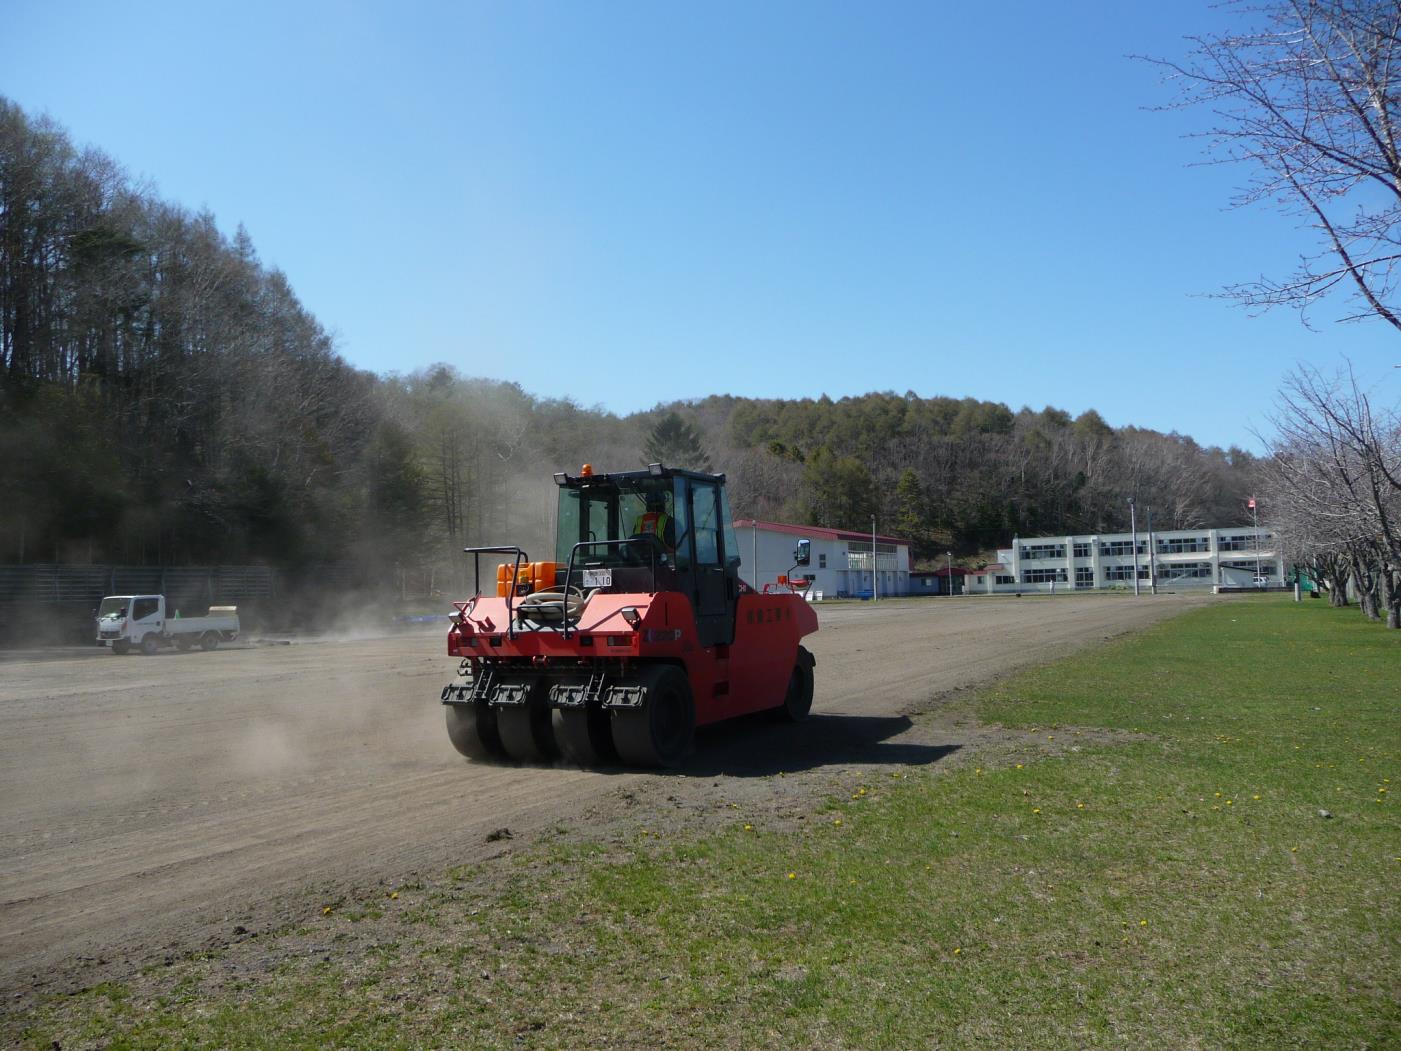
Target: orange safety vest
<point>653,522</point>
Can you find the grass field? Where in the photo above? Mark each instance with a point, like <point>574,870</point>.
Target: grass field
<point>1152,865</point>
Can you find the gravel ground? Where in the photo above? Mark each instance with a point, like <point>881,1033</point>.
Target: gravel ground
<point>155,806</point>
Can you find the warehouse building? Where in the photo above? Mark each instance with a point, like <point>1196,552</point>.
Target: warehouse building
<point>1234,557</point>
<point>841,559</point>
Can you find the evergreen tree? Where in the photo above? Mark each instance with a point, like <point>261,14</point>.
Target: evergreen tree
<point>676,443</point>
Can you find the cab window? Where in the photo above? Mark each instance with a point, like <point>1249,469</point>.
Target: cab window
<point>706,506</point>
<point>144,607</point>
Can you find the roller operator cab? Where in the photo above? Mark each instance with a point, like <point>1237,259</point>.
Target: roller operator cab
<point>638,630</point>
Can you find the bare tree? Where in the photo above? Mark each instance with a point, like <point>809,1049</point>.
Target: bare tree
<point>1336,468</point>
<point>1308,98</point>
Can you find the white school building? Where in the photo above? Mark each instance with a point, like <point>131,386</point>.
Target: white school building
<point>1230,557</point>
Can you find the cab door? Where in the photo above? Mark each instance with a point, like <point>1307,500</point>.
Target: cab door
<point>714,613</point>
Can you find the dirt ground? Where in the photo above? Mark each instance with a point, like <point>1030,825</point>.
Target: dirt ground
<point>154,806</point>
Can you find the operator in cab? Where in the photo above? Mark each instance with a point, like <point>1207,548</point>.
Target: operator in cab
<point>656,522</point>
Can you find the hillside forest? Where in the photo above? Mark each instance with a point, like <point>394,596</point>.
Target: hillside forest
<point>166,399</point>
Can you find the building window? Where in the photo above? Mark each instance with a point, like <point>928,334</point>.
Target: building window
<point>822,561</point>
<point>1033,552</point>
<point>1243,542</point>
<point>979,580</point>
<point>1119,548</point>
<point>1084,576</point>
<point>1182,545</point>
<point>1005,580</point>
<point>1082,550</point>
<point>1124,572</point>
<point>1045,575</point>
<point>1184,570</point>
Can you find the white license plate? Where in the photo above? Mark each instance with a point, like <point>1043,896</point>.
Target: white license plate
<point>598,578</point>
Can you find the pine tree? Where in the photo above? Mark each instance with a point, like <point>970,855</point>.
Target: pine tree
<point>676,443</point>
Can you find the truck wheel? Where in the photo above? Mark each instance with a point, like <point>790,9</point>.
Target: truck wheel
<point>150,646</point>
<point>209,641</point>
<point>121,647</point>
<point>472,730</point>
<point>660,732</point>
<point>797,702</point>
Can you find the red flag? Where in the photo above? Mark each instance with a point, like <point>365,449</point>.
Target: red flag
<point>1251,504</point>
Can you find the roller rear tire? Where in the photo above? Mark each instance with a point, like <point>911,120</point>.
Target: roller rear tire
<point>583,735</point>
<point>525,728</point>
<point>472,730</point>
<point>661,731</point>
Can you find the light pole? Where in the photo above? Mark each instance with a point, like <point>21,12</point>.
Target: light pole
<point>874,596</point>
<point>1152,563</point>
<point>1133,532</point>
<point>949,555</point>
<point>754,550</point>
<point>1255,516</point>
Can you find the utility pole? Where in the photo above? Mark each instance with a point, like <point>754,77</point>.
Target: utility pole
<point>949,556</point>
<point>874,596</point>
<point>1133,531</point>
<point>1152,561</point>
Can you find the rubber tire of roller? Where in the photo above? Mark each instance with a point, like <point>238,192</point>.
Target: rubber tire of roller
<point>525,728</point>
<point>797,702</point>
<point>584,735</point>
<point>661,731</point>
<point>472,730</point>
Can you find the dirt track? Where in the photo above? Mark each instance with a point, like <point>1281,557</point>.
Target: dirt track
<point>152,802</point>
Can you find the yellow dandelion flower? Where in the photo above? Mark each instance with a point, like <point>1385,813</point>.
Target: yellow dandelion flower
<point>393,895</point>
<point>1218,795</point>
<point>749,828</point>
<point>1293,850</point>
<point>1019,766</point>
<point>1229,802</point>
<point>837,821</point>
<point>1036,810</point>
<point>1255,797</point>
<point>1143,923</point>
<point>792,875</point>
<point>957,952</point>
<point>1079,806</point>
<point>978,771</point>
<point>326,911</point>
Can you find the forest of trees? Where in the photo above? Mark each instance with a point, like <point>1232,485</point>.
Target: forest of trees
<point>166,399</point>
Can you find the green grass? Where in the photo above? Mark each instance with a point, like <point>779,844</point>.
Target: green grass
<point>1171,885</point>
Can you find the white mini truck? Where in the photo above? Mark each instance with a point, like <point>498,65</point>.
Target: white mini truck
<point>127,621</point>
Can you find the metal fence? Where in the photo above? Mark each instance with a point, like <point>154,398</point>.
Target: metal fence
<point>47,582</point>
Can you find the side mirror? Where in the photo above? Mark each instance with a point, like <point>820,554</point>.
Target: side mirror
<point>802,554</point>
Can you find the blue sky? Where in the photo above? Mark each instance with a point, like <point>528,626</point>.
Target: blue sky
<point>631,203</point>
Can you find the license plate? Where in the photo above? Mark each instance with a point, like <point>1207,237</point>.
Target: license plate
<point>598,578</point>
